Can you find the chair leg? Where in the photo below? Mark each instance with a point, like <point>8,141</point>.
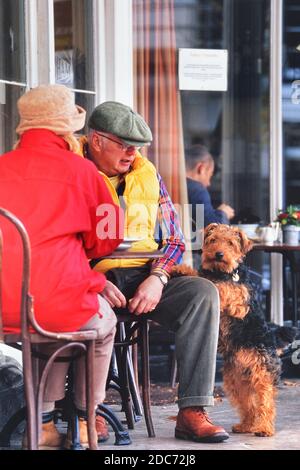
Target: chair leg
<point>69,412</point>
<point>74,425</point>
<point>123,379</point>
<point>134,355</point>
<point>135,394</point>
<point>90,395</point>
<point>144,342</point>
<point>121,435</point>
<point>31,406</point>
<point>125,387</point>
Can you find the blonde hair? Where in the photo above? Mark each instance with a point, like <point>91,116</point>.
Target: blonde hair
<point>74,145</point>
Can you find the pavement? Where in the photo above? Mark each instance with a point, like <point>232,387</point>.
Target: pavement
<point>286,437</point>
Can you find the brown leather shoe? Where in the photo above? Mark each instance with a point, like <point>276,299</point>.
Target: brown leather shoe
<point>193,424</point>
<point>50,438</point>
<point>102,429</point>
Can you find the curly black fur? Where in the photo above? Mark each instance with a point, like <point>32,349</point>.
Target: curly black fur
<point>253,332</point>
<point>217,275</point>
<point>284,335</point>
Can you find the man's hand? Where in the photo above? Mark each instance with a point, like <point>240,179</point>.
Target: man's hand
<point>113,295</point>
<point>229,211</point>
<point>146,297</point>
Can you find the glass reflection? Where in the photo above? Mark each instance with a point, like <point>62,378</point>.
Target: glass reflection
<point>9,117</point>
<point>73,22</point>
<point>87,101</point>
<point>291,101</point>
<point>12,41</point>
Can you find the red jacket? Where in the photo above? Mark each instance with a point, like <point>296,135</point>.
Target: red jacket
<point>55,193</point>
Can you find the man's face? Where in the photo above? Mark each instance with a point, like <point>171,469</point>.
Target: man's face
<point>207,171</point>
<point>110,155</point>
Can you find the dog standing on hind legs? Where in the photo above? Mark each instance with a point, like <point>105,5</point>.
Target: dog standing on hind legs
<point>248,345</point>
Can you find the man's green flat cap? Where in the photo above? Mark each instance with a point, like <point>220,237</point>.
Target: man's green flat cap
<point>121,121</point>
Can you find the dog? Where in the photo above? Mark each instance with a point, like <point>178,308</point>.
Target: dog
<point>249,346</point>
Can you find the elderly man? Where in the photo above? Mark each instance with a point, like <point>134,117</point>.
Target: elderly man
<point>188,306</point>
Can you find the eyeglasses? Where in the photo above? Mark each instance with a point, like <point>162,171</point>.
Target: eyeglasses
<point>125,147</point>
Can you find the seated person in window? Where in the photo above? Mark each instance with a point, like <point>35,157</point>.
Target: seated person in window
<point>188,306</point>
<point>199,169</point>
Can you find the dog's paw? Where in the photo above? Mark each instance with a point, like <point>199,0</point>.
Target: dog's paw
<point>241,428</point>
<point>264,432</point>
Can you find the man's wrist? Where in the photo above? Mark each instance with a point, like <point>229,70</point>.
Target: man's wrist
<point>160,271</point>
<point>162,276</point>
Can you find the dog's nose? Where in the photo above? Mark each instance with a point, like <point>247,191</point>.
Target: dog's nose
<point>219,255</point>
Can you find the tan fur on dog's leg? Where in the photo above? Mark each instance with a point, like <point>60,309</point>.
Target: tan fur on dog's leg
<point>265,410</point>
<point>239,396</point>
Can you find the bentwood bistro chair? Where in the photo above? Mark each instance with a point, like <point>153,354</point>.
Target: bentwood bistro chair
<point>31,335</point>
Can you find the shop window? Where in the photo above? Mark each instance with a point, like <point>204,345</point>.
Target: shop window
<point>74,51</point>
<point>291,101</point>
<point>233,124</point>
<point>156,91</point>
<point>9,117</point>
<point>86,100</point>
<point>12,41</point>
<point>290,124</point>
<point>12,68</point>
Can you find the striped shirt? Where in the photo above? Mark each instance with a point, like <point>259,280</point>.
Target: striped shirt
<point>168,233</point>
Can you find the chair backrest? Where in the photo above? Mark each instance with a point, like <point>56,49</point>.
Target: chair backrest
<point>33,399</point>
<point>27,306</point>
<point>26,298</point>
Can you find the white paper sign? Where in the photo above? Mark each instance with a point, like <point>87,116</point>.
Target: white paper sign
<point>203,69</point>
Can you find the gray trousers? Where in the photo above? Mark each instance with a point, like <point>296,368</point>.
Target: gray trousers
<point>190,307</point>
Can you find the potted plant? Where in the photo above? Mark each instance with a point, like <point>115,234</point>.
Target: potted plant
<point>290,224</point>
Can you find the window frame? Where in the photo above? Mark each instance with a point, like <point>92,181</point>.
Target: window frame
<point>276,152</point>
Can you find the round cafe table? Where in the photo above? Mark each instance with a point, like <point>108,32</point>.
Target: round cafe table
<point>124,254</point>
<point>289,253</point>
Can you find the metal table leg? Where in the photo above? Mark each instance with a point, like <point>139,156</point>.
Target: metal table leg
<point>294,274</point>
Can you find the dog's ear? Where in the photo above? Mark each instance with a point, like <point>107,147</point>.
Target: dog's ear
<point>209,229</point>
<point>246,244</point>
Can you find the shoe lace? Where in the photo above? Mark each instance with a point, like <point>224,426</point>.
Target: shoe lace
<point>201,412</point>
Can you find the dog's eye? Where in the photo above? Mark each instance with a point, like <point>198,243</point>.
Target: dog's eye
<point>212,240</point>
<point>230,243</point>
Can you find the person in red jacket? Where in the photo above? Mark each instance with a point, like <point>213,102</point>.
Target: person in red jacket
<point>70,217</point>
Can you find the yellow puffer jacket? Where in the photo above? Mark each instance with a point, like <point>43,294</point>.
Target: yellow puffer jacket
<point>141,196</point>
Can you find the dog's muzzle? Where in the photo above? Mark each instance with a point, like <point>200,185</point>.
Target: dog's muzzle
<point>219,255</point>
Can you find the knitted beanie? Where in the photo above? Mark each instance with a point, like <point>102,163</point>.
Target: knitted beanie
<point>50,107</point>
